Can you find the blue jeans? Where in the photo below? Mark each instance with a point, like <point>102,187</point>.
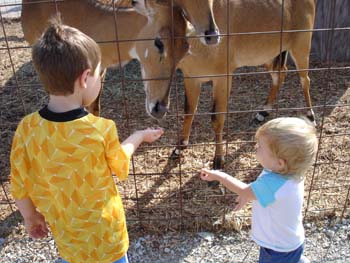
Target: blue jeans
<point>122,260</point>
<point>270,256</point>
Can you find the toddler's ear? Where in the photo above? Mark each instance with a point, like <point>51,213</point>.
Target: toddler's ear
<point>282,164</point>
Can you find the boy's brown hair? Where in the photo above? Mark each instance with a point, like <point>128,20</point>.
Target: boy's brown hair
<point>61,55</point>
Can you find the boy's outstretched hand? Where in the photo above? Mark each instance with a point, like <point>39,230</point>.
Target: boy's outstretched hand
<point>151,135</point>
<point>134,140</point>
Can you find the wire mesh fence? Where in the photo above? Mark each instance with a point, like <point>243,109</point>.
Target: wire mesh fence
<point>164,193</point>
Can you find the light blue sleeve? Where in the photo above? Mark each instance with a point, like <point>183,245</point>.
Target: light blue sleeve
<point>266,186</point>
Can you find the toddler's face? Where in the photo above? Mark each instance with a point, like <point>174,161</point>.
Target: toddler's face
<point>266,157</point>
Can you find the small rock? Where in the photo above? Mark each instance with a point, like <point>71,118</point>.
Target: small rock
<point>329,233</point>
<point>2,241</point>
<point>207,236</point>
<point>137,245</point>
<point>326,245</point>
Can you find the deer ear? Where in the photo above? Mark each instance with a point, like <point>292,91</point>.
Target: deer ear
<point>141,7</point>
<point>186,46</point>
<point>182,46</point>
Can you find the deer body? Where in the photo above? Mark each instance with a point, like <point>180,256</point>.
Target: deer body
<point>100,23</point>
<point>247,50</point>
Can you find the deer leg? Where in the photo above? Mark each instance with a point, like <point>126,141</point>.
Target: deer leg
<point>95,107</point>
<point>192,92</point>
<point>277,64</point>
<point>301,60</point>
<point>221,91</point>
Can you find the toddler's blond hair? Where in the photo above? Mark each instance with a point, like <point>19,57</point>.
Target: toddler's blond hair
<point>292,139</point>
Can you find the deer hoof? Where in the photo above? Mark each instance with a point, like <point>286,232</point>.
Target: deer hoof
<point>218,162</point>
<point>175,154</point>
<point>311,117</point>
<point>261,116</point>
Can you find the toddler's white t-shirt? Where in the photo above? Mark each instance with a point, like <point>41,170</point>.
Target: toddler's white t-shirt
<point>277,212</point>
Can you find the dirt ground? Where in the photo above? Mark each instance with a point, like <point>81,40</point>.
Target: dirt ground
<point>166,195</point>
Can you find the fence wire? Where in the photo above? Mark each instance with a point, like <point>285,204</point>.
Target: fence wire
<point>164,193</point>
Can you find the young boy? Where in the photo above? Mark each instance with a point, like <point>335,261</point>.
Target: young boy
<point>286,148</point>
<point>62,157</point>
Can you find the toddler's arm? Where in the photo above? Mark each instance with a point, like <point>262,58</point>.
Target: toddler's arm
<point>138,137</point>
<point>34,222</point>
<point>242,189</point>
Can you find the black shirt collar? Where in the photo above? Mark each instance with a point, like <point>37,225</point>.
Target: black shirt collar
<point>62,116</point>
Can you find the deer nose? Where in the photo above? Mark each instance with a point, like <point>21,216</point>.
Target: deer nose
<point>211,37</point>
<point>159,110</point>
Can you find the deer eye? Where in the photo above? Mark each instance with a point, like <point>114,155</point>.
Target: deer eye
<point>133,3</point>
<point>159,44</point>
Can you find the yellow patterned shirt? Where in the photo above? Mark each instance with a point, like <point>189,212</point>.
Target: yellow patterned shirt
<point>64,163</point>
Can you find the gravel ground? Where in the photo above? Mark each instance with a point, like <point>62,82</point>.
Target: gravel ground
<point>326,241</point>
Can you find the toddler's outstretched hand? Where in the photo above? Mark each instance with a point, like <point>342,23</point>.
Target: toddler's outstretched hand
<point>211,175</point>
<point>244,190</point>
<point>151,135</point>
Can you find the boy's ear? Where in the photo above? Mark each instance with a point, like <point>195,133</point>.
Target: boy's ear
<point>83,78</point>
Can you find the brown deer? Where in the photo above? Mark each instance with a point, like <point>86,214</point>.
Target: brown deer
<point>158,55</point>
<point>241,49</point>
<point>198,12</point>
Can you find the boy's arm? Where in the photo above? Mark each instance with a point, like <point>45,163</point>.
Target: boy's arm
<point>34,222</point>
<point>26,207</point>
<point>231,183</point>
<point>134,140</point>
<point>132,143</point>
